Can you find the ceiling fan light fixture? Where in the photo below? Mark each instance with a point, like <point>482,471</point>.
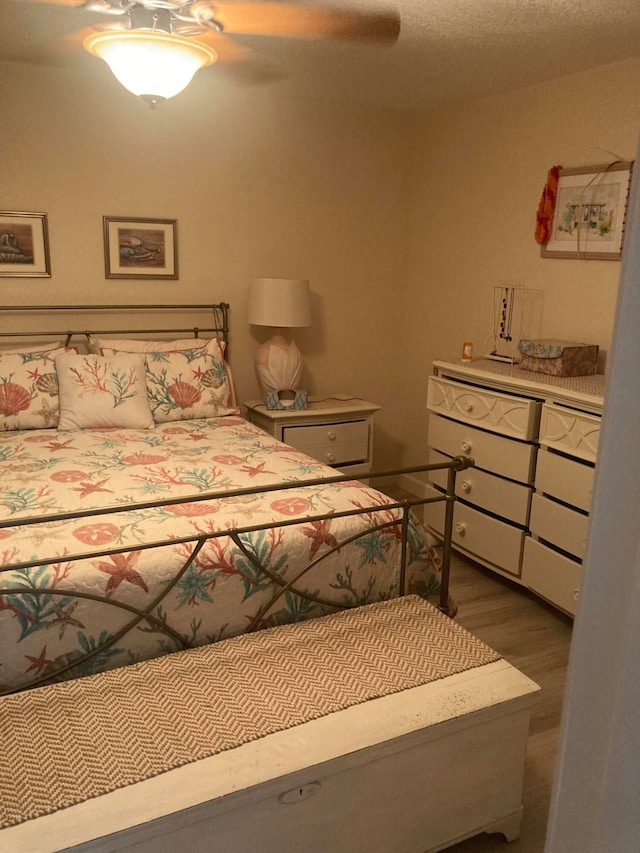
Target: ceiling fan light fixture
<point>151,64</point>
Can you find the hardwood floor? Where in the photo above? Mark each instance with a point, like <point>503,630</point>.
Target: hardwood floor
<point>535,638</point>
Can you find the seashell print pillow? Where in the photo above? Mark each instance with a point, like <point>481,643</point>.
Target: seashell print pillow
<point>29,388</point>
<point>101,392</point>
<point>188,383</point>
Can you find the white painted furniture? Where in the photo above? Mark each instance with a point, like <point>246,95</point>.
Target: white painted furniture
<point>412,772</point>
<point>523,510</point>
<point>337,431</point>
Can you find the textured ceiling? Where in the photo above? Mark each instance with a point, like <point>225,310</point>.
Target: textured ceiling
<point>448,49</point>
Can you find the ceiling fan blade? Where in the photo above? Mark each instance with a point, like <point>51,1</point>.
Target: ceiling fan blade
<point>290,19</point>
<point>237,61</point>
<point>77,3</point>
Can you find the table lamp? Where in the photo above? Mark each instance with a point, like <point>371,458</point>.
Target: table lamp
<point>282,303</point>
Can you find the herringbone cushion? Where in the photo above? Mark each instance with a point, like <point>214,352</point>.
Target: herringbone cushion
<point>75,740</point>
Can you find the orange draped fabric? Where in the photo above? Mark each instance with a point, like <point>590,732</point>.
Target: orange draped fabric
<point>547,206</point>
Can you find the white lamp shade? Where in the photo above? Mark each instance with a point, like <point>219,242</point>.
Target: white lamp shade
<point>280,302</point>
<point>150,63</point>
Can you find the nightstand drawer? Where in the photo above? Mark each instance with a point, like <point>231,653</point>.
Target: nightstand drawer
<point>505,414</point>
<point>565,479</point>
<point>504,456</point>
<point>501,497</point>
<point>551,575</point>
<point>558,524</point>
<point>334,444</point>
<point>574,433</point>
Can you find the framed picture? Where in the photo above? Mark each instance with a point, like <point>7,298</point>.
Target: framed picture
<point>24,245</point>
<point>590,213</point>
<point>140,248</point>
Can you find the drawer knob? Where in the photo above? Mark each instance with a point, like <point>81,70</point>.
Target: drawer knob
<point>331,457</point>
<point>466,446</point>
<point>576,594</point>
<point>461,528</point>
<point>332,436</point>
<point>468,407</point>
<point>466,486</point>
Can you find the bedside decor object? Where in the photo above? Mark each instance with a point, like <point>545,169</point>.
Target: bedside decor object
<point>282,303</point>
<point>558,358</point>
<point>274,403</point>
<point>24,245</point>
<point>589,213</point>
<point>140,248</point>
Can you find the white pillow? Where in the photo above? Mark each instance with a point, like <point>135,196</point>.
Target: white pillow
<point>29,389</point>
<point>100,392</point>
<point>104,345</point>
<point>36,348</point>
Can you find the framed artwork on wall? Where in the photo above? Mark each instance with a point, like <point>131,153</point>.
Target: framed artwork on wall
<point>140,248</point>
<point>24,245</point>
<point>590,213</point>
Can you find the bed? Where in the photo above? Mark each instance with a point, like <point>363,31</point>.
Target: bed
<point>140,514</point>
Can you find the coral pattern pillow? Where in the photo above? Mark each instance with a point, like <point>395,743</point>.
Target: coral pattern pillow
<point>29,389</point>
<point>188,383</point>
<point>100,392</point>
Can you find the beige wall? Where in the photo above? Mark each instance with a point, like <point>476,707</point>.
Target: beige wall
<point>479,170</point>
<point>402,254</point>
<point>259,187</point>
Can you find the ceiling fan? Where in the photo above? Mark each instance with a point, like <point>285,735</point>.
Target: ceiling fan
<point>154,47</point>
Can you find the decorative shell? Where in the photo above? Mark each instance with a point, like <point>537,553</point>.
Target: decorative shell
<point>184,394</point>
<point>13,398</point>
<point>212,379</point>
<point>48,383</point>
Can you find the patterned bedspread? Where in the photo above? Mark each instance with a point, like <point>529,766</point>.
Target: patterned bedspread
<point>138,601</point>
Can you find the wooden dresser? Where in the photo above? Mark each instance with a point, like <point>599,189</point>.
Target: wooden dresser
<point>523,510</point>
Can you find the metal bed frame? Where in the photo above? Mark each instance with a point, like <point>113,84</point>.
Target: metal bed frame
<point>196,542</point>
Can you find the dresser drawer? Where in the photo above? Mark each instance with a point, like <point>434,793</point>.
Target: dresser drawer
<point>574,433</point>
<point>551,575</point>
<point>561,526</point>
<point>492,542</point>
<point>504,456</point>
<point>505,414</point>
<point>502,497</point>
<point>566,479</point>
<point>333,444</point>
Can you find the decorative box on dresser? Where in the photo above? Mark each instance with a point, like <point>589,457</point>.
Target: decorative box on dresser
<point>523,510</point>
<point>335,430</point>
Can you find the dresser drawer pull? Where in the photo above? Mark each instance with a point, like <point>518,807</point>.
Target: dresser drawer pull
<point>331,457</point>
<point>332,436</point>
<point>466,447</point>
<point>461,528</point>
<point>576,594</point>
<point>468,407</point>
<point>465,485</point>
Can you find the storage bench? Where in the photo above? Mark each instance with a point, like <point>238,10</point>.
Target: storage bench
<point>410,735</point>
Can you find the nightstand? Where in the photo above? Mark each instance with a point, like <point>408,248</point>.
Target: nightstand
<point>334,430</point>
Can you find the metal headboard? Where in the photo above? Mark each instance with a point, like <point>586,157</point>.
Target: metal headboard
<point>219,323</point>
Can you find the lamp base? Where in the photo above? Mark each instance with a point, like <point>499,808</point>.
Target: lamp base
<point>278,365</point>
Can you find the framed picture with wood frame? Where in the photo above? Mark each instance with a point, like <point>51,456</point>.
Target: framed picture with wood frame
<point>590,213</point>
<point>140,248</point>
<point>24,245</point>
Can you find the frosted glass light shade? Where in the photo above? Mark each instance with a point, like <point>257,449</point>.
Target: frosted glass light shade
<point>151,64</point>
<point>280,302</point>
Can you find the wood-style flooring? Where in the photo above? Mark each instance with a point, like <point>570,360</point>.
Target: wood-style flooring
<point>535,638</point>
